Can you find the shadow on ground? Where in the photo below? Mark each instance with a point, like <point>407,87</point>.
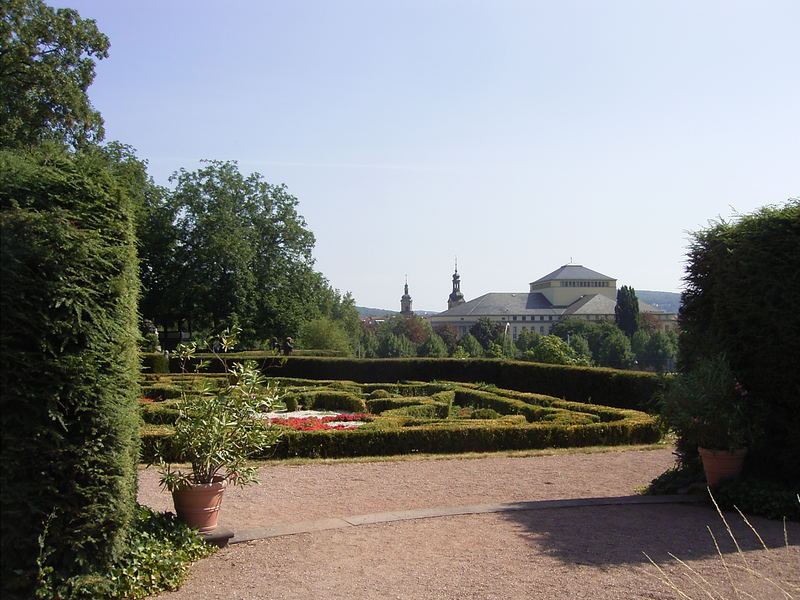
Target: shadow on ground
<point>616,535</point>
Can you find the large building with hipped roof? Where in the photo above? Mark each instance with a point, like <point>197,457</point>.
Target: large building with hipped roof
<point>569,292</point>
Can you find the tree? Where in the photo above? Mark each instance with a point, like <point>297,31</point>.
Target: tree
<point>527,340</point>
<point>486,330</point>
<point>471,346</point>
<point>615,351</point>
<point>552,350</point>
<point>627,310</point>
<point>241,253</point>
<point>434,347</point>
<point>639,342</point>
<point>47,60</point>
<point>324,334</point>
<point>449,335</point>
<point>660,349</point>
<point>580,345</point>
<point>396,346</point>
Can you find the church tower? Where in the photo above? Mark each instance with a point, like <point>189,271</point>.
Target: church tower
<point>456,297</point>
<point>405,303</point>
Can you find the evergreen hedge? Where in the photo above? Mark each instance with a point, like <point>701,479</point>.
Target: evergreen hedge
<point>420,423</point>
<point>742,286</point>
<point>609,387</point>
<point>69,368</point>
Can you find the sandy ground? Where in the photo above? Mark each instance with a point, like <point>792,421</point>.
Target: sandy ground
<point>588,552</point>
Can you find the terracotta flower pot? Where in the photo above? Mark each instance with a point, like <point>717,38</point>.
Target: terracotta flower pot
<point>720,465</point>
<point>198,505</point>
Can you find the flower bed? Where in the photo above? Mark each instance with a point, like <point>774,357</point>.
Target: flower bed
<point>314,423</point>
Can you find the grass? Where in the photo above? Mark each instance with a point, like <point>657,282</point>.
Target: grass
<point>741,576</point>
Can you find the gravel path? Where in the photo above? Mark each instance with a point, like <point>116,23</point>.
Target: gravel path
<point>588,552</point>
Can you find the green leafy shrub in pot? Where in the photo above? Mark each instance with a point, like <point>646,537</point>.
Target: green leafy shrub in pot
<point>707,406</point>
<point>217,432</point>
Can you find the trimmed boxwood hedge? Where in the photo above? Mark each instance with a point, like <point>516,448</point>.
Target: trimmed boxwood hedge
<point>608,387</point>
<point>420,424</point>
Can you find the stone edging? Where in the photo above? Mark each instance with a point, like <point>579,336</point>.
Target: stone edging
<point>223,536</point>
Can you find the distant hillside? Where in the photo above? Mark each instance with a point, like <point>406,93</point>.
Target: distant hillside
<point>374,312</point>
<point>669,302</point>
<point>383,312</point>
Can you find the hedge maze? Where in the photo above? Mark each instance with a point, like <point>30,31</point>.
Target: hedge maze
<point>420,417</point>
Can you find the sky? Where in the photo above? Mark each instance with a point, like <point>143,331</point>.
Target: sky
<point>515,136</point>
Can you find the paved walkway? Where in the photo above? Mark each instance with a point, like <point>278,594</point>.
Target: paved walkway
<point>225,535</point>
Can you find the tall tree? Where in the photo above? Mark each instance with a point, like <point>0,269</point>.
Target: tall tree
<point>47,60</point>
<point>486,330</point>
<point>241,253</point>
<point>627,310</point>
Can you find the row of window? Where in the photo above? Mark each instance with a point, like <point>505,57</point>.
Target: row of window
<point>585,283</point>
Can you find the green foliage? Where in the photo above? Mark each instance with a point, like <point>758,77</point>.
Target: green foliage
<point>486,331</point>
<point>68,363</point>
<point>218,431</point>
<point>420,417</point>
<point>46,66</point>
<point>527,340</point>
<point>707,406</point>
<point>623,389</point>
<point>396,346</point>
<point>626,312</point>
<point>158,553</point>
<point>471,346</point>
<point>741,285</point>
<point>331,400</point>
<point>615,351</point>
<point>434,347</point>
<point>160,413</point>
<point>324,334</point>
<point>552,350</point>
<point>484,413</point>
<point>754,496</point>
<point>251,232</point>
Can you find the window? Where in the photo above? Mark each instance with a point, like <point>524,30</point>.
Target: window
<point>541,329</point>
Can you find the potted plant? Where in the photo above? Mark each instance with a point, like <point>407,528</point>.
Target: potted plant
<point>707,407</point>
<point>217,431</point>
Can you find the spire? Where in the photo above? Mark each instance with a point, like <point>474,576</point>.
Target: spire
<point>456,297</point>
<point>405,302</point>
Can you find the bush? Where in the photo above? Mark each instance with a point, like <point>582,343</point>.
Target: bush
<point>421,424</point>
<point>609,387</point>
<point>160,413</point>
<point>69,367</point>
<point>158,553</point>
<point>332,400</point>
<point>740,300</point>
<point>484,413</point>
<point>161,391</point>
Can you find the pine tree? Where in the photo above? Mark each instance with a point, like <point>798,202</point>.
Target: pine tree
<point>627,310</point>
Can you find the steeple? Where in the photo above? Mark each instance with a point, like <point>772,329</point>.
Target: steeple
<point>405,302</point>
<point>456,297</point>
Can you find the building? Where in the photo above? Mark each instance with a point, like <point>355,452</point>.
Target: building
<point>569,292</point>
<point>405,303</point>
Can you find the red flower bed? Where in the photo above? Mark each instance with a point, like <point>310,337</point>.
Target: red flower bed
<point>318,423</point>
<point>146,400</point>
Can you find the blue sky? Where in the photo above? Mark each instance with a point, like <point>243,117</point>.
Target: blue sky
<point>517,136</point>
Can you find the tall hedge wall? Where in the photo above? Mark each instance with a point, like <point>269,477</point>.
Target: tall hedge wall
<point>610,387</point>
<point>742,291</point>
<point>69,365</point>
